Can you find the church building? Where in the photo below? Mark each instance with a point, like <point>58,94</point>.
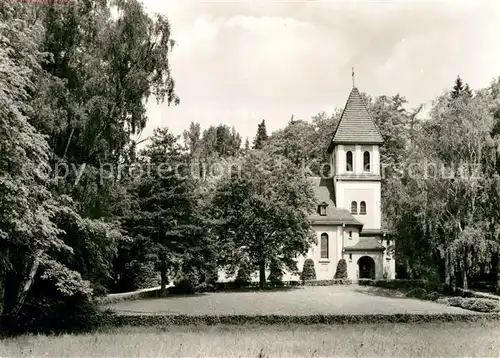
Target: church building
<point>348,220</point>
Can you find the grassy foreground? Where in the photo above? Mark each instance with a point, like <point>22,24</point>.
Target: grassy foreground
<point>480,339</point>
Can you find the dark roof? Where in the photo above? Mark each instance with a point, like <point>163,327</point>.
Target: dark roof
<point>356,125</point>
<point>324,192</point>
<point>366,244</point>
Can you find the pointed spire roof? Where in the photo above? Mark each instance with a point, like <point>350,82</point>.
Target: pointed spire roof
<point>356,126</point>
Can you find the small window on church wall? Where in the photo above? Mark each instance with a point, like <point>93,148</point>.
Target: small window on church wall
<point>348,161</point>
<point>322,210</point>
<point>350,235</point>
<point>354,208</point>
<point>366,161</point>
<point>362,208</point>
<point>350,257</point>
<point>324,246</point>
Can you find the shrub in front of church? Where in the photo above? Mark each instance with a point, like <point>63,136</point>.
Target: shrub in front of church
<point>341,272</point>
<point>308,271</point>
<point>275,275</point>
<point>243,277</point>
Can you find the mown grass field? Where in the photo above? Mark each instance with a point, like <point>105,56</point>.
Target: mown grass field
<point>351,299</point>
<point>363,340</point>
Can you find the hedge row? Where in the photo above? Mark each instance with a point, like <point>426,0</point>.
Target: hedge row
<point>430,286</point>
<point>159,320</point>
<point>395,284</point>
<point>333,282</point>
<point>227,286</point>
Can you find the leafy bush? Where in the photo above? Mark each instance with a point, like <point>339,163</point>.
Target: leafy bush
<point>474,301</point>
<point>308,271</point>
<point>417,292</point>
<point>366,282</point>
<point>244,275</point>
<point>275,275</point>
<point>341,272</point>
<point>473,304</point>
<point>50,311</point>
<point>432,296</point>
<point>188,284</point>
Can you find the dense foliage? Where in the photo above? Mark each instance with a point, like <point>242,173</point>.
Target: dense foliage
<point>262,213</point>
<point>83,212</point>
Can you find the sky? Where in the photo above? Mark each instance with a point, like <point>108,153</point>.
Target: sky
<point>238,62</point>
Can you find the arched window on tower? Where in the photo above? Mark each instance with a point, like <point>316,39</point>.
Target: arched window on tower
<point>362,208</point>
<point>354,208</point>
<point>348,161</point>
<point>324,246</point>
<point>366,161</point>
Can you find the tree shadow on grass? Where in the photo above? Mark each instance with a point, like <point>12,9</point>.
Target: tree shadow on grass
<point>381,292</point>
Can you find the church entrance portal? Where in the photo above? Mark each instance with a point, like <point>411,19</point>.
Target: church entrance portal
<point>366,267</point>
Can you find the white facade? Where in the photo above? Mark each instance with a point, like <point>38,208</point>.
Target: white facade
<point>356,182</point>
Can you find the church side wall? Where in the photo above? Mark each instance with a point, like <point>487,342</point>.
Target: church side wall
<point>325,267</point>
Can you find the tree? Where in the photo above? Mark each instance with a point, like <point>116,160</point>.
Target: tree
<point>443,216</point>
<point>264,211</point>
<point>31,239</point>
<point>261,137</point>
<point>167,214</point>
<point>192,139</point>
<point>305,143</point>
<point>90,100</point>
<point>246,147</point>
<point>457,88</point>
<point>92,97</point>
<point>460,90</point>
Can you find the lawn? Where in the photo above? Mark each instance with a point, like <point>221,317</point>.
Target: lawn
<point>298,301</point>
<point>364,340</point>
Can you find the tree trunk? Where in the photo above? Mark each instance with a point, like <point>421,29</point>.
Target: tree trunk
<point>163,279</point>
<point>447,272</point>
<point>27,282</point>
<point>464,279</point>
<point>465,283</point>
<point>498,274</point>
<point>17,284</point>
<point>262,273</point>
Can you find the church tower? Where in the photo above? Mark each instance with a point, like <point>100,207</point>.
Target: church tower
<point>355,153</point>
<point>355,159</point>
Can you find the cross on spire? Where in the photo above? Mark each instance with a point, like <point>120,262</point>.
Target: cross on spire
<point>353,78</point>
